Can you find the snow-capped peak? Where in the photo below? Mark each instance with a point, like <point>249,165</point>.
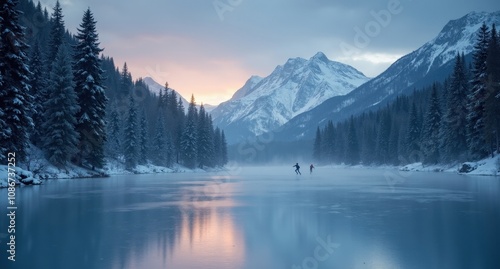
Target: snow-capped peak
<point>457,36</point>
<point>246,89</point>
<point>320,56</point>
<point>299,85</point>
<point>431,62</point>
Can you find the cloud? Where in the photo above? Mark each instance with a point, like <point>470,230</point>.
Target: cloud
<point>254,36</point>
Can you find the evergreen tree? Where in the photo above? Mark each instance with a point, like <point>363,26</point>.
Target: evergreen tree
<point>56,32</point>
<point>383,135</point>
<point>130,141</point>
<point>413,135</point>
<point>393,150</point>
<point>159,141</point>
<point>189,137</point>
<point>178,128</point>
<point>143,140</point>
<point>169,151</point>
<point>455,117</point>
<point>172,104</point>
<point>15,98</point>
<point>204,139</point>
<point>477,97</point>
<point>126,81</point>
<point>88,77</point>
<point>38,83</point>
<point>60,138</point>
<point>492,101</point>
<point>217,147</point>
<point>352,152</point>
<point>161,104</point>
<point>368,144</point>
<point>328,141</point>
<point>431,130</point>
<point>114,144</point>
<point>317,146</point>
<point>224,149</point>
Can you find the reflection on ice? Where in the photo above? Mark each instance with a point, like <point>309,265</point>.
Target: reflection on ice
<point>261,218</point>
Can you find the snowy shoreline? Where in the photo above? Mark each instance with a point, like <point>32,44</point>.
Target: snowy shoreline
<point>112,167</point>
<point>485,167</point>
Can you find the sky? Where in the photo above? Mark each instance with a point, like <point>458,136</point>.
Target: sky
<point>209,48</point>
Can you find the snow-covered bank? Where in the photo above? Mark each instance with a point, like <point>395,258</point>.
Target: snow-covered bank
<point>485,167</point>
<point>112,167</point>
<point>18,175</point>
<point>115,167</point>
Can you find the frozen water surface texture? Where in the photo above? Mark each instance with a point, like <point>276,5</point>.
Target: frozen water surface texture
<point>260,217</point>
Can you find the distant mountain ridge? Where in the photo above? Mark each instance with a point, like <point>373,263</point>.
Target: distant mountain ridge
<point>155,88</point>
<point>299,85</point>
<point>433,61</point>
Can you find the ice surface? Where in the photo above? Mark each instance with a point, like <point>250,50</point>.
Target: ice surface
<point>262,217</point>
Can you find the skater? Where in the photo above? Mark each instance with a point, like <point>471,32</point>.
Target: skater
<point>297,169</point>
<point>311,167</point>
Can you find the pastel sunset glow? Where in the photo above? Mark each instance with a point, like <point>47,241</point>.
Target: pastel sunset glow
<point>210,48</point>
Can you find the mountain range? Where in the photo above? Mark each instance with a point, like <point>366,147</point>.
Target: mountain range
<point>303,94</point>
<point>264,104</point>
<point>431,62</point>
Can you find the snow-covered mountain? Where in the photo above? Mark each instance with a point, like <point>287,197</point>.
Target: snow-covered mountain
<point>299,85</point>
<point>431,62</point>
<point>155,88</point>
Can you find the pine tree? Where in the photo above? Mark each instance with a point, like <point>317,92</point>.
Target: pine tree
<point>114,143</point>
<point>130,141</point>
<point>172,104</point>
<point>60,139</point>
<point>368,144</point>
<point>159,142</point>
<point>38,83</point>
<point>15,98</point>
<point>492,101</point>
<point>88,77</point>
<point>204,139</point>
<point>217,147</point>
<point>56,32</point>
<point>160,100</point>
<point>189,137</point>
<point>328,143</point>
<point>352,152</point>
<point>454,135</point>
<point>431,130</point>
<point>178,127</point>
<point>224,156</point>
<point>383,135</point>
<point>413,135</point>
<point>169,150</point>
<point>143,139</point>
<point>126,81</point>
<point>393,150</point>
<point>477,97</point>
<point>317,146</point>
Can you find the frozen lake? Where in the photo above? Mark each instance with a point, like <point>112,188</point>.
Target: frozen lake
<point>258,218</point>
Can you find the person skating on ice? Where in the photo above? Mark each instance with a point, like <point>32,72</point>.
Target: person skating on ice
<point>297,169</point>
